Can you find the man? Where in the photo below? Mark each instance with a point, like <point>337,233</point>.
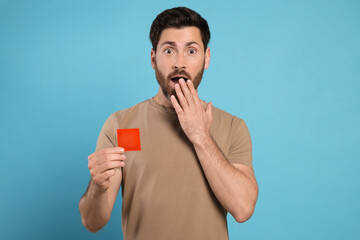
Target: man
<point>195,160</point>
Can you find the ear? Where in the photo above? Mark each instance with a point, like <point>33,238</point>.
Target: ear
<point>153,58</point>
<point>207,58</point>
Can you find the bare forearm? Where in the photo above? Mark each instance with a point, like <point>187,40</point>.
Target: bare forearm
<point>232,186</point>
<point>234,190</point>
<point>94,209</point>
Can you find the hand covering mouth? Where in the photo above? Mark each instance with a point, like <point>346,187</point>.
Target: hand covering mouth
<point>176,79</point>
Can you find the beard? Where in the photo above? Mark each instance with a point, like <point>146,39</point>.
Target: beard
<point>164,82</point>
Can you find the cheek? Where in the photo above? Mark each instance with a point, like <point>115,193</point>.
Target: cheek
<point>195,67</point>
<point>197,62</point>
<point>162,63</point>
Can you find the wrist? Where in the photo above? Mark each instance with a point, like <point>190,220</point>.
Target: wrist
<point>96,190</point>
<point>202,141</point>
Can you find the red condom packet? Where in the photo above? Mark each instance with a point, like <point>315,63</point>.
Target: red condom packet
<point>129,139</point>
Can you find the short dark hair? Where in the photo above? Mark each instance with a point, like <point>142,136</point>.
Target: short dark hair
<point>178,17</point>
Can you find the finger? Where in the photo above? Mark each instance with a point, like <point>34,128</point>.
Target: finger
<point>105,176</point>
<point>109,165</point>
<point>98,170</point>
<point>112,150</point>
<point>185,89</point>
<point>107,150</point>
<point>100,159</point>
<point>176,105</point>
<point>103,157</point>
<point>182,101</point>
<point>192,90</point>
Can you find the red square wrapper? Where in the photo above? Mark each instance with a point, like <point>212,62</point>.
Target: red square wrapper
<point>129,139</point>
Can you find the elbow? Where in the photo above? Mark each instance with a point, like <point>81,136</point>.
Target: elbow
<point>244,214</point>
<point>87,224</point>
<point>92,230</point>
<point>242,218</point>
<point>245,208</point>
<point>88,227</point>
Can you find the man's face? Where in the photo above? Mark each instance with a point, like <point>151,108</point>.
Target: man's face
<point>180,54</point>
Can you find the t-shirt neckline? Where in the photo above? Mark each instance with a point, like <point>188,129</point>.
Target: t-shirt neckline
<point>161,107</point>
<point>166,109</point>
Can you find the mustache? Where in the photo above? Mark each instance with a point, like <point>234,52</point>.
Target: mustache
<point>179,72</point>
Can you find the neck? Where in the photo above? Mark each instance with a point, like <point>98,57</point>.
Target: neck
<point>162,100</point>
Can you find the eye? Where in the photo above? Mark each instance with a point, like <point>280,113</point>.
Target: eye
<point>168,51</point>
<point>192,51</point>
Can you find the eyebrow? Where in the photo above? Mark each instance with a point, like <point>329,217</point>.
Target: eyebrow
<point>191,43</point>
<point>174,44</point>
<point>169,43</point>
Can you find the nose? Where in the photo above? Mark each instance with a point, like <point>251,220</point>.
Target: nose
<point>180,62</point>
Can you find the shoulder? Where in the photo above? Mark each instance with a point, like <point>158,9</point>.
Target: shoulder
<point>223,118</point>
<point>228,125</point>
<point>120,116</point>
<point>119,119</point>
<point>232,136</point>
<point>126,111</point>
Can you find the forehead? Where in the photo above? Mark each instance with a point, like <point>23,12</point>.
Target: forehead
<point>181,36</point>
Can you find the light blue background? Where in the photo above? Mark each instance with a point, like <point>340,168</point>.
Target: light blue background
<point>289,68</point>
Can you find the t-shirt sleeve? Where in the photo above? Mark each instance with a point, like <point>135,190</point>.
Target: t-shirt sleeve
<point>240,147</point>
<point>107,136</point>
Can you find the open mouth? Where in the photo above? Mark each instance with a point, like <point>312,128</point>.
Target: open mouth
<point>176,79</point>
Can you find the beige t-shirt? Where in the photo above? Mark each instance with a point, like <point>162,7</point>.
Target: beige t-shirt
<point>164,189</point>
